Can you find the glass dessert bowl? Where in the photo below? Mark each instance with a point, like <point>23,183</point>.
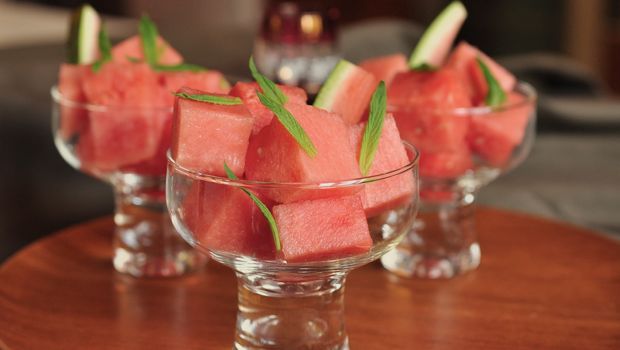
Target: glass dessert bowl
<point>469,148</point>
<point>125,147</point>
<point>291,297</point>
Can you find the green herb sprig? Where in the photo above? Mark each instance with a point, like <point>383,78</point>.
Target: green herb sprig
<point>214,99</point>
<point>274,99</point>
<point>270,89</point>
<point>374,126</point>
<point>262,207</point>
<point>181,67</point>
<point>148,35</point>
<point>496,95</point>
<point>105,50</point>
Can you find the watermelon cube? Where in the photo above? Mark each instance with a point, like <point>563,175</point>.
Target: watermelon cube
<point>73,119</point>
<point>424,103</point>
<point>207,135</point>
<point>262,115</point>
<point>322,229</point>
<point>378,197</point>
<point>121,137</point>
<point>225,219</point>
<point>386,67</point>
<point>275,156</point>
<point>463,60</point>
<point>131,48</point>
<point>494,136</point>
<point>347,92</point>
<point>445,165</point>
<point>210,81</point>
<point>129,126</point>
<point>156,165</point>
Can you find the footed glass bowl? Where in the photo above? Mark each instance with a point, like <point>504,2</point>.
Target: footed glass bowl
<point>292,298</point>
<point>126,147</point>
<point>461,150</point>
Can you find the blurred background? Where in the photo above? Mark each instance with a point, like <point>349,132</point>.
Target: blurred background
<point>569,49</point>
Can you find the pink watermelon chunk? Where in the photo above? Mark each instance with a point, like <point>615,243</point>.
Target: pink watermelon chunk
<point>157,164</point>
<point>463,60</point>
<point>322,229</point>
<point>347,92</point>
<point>423,105</point>
<point>262,115</point>
<point>132,48</point>
<point>378,197</point>
<point>210,81</point>
<point>225,219</point>
<point>129,128</point>
<point>445,165</point>
<point>386,67</point>
<point>494,136</point>
<point>274,155</point>
<point>73,120</point>
<point>207,135</point>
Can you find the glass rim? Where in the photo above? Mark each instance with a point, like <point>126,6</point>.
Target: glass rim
<point>201,176</point>
<point>522,87</point>
<point>61,99</point>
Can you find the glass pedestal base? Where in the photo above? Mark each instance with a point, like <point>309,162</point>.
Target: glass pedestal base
<point>441,244</point>
<point>293,315</point>
<point>146,243</point>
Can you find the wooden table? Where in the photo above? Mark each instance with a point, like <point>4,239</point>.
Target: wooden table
<point>542,285</point>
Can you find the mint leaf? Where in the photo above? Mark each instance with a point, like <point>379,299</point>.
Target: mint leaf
<point>424,67</point>
<point>496,95</point>
<point>270,89</point>
<point>374,126</point>
<point>105,50</point>
<point>214,99</point>
<point>148,35</point>
<point>290,124</point>
<point>181,67</point>
<point>262,207</point>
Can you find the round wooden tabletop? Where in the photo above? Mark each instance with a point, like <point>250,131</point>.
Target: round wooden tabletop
<point>541,285</point>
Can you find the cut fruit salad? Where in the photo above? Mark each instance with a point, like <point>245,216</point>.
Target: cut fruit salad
<point>116,104</point>
<point>265,134</point>
<point>458,106</point>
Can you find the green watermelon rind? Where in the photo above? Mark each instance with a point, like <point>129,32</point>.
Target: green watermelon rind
<point>331,89</point>
<point>435,35</point>
<point>84,36</point>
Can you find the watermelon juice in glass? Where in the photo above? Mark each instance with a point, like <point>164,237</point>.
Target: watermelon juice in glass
<point>472,121</point>
<point>112,115</point>
<point>281,199</point>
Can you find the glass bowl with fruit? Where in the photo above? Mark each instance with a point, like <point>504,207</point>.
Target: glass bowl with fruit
<point>291,205</point>
<point>112,115</point>
<point>471,121</point>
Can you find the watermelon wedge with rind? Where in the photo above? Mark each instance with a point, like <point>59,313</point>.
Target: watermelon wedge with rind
<point>437,40</point>
<point>84,36</point>
<point>347,92</point>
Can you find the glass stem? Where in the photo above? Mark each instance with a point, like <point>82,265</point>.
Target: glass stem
<point>291,312</point>
<point>145,242</point>
<point>442,242</point>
